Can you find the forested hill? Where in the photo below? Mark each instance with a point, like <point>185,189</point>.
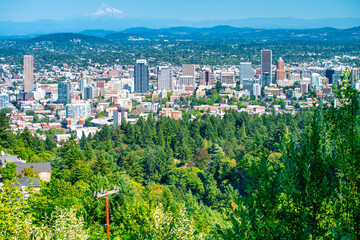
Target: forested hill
<point>68,37</point>
<point>278,176</point>
<point>228,32</point>
<point>214,33</point>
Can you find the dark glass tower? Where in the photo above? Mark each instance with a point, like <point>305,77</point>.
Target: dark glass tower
<point>141,76</point>
<point>266,59</point>
<point>64,92</point>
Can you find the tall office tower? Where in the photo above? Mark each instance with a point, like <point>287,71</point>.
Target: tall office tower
<point>89,92</point>
<point>227,77</point>
<point>165,78</point>
<point>188,70</point>
<point>245,71</point>
<point>316,81</point>
<point>28,73</point>
<point>207,78</point>
<point>78,110</point>
<point>4,99</point>
<point>64,92</point>
<point>266,59</point>
<point>186,80</point>
<point>141,76</point>
<point>280,71</point>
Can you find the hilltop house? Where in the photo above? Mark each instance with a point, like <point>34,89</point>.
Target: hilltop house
<point>6,158</point>
<point>43,168</point>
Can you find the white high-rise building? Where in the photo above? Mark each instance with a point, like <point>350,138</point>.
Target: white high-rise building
<point>4,99</point>
<point>78,110</point>
<point>165,78</point>
<point>256,90</point>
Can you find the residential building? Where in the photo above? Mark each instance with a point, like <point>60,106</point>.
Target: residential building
<point>78,110</point>
<point>43,168</point>
<point>6,158</point>
<point>4,99</point>
<point>256,90</point>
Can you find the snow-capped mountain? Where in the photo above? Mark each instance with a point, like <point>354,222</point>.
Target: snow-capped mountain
<point>106,10</point>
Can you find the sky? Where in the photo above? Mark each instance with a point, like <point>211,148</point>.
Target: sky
<point>32,10</point>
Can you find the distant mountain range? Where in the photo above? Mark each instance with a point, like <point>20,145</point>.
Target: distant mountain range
<point>217,32</point>
<point>111,19</point>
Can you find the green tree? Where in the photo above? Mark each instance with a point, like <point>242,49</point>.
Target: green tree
<point>9,171</point>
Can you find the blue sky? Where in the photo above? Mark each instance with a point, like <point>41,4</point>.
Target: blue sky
<point>31,10</point>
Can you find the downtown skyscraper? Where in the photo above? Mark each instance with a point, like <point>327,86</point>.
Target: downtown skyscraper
<point>28,73</point>
<point>266,60</point>
<point>141,76</point>
<point>246,71</point>
<point>280,71</point>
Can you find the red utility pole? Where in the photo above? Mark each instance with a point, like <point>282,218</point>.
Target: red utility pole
<point>106,194</point>
<point>107,216</point>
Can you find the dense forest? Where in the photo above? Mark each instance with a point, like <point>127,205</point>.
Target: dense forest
<point>277,176</point>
